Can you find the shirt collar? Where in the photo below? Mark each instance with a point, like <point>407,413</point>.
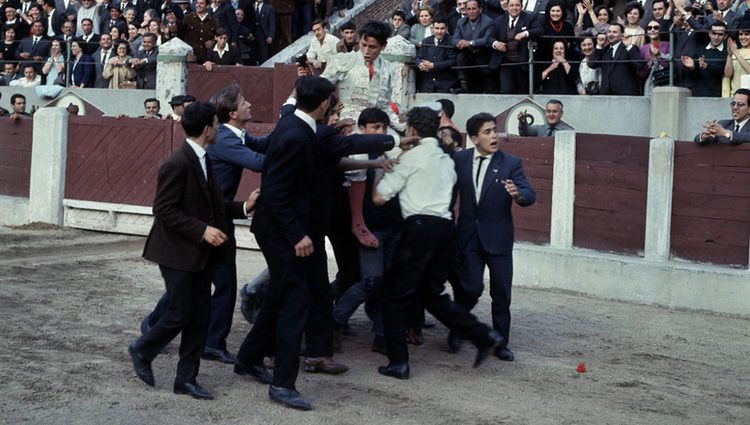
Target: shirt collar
<point>306,118</point>
<point>221,52</point>
<point>199,151</point>
<point>720,47</point>
<point>478,155</point>
<point>237,131</point>
<point>742,123</point>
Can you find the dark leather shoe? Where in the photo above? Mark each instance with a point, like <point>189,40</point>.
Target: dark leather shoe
<point>454,343</point>
<point>247,303</point>
<point>324,365</point>
<point>258,372</point>
<point>483,351</point>
<point>395,370</point>
<point>193,390</point>
<point>504,354</point>
<point>222,356</point>
<point>289,397</point>
<point>141,366</point>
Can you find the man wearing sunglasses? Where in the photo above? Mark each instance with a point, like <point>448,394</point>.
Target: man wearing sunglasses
<point>734,131</point>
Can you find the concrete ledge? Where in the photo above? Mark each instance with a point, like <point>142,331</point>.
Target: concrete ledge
<point>667,283</point>
<point>15,211</point>
<point>130,220</point>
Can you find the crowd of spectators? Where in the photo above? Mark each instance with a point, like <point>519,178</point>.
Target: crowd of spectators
<point>588,47</point>
<point>608,47</point>
<point>114,43</point>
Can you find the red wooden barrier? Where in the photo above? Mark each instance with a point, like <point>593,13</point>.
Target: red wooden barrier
<point>15,157</point>
<point>532,224</point>
<point>711,203</point>
<point>115,160</point>
<point>610,193</point>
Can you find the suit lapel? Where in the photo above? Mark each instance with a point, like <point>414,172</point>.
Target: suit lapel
<point>469,172</point>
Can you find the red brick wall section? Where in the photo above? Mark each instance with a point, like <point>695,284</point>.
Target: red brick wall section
<point>379,10</point>
<point>610,193</point>
<point>532,224</point>
<point>15,157</point>
<point>115,160</point>
<point>711,203</point>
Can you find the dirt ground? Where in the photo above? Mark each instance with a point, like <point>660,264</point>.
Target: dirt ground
<point>71,301</point>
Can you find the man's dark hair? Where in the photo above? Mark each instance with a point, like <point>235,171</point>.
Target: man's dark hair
<point>44,24</point>
<point>221,31</point>
<point>399,13</point>
<point>448,107</point>
<point>380,31</point>
<point>619,25</point>
<point>150,34</point>
<point>151,99</point>
<point>348,25</point>
<point>373,116</point>
<point>87,19</point>
<point>746,92</point>
<point>664,2</point>
<point>555,102</point>
<point>320,22</point>
<point>440,20</point>
<point>196,117</point>
<point>719,24</point>
<point>16,96</point>
<point>424,120</point>
<point>476,122</point>
<point>225,101</point>
<point>312,91</point>
<point>50,3</point>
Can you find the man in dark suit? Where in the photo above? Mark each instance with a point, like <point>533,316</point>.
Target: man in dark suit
<point>281,229</point>
<point>88,40</point>
<point>35,47</point>
<point>456,13</point>
<point>553,113</point>
<point>734,131</point>
<point>283,9</point>
<point>113,19</point>
<point>233,152</point>
<point>510,47</point>
<point>223,11</point>
<point>55,18</point>
<point>724,13</point>
<point>264,28</point>
<point>189,219</point>
<point>101,56</point>
<point>619,64</point>
<point>145,62</point>
<point>471,38</point>
<point>436,59</point>
<point>489,182</point>
<point>706,66</point>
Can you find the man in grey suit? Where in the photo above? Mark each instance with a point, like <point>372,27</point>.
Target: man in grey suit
<point>145,62</point>
<point>553,113</point>
<point>734,131</point>
<point>101,56</point>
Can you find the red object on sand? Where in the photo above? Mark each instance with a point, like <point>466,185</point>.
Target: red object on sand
<point>581,368</point>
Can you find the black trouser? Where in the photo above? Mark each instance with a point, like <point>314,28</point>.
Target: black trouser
<point>284,311</point>
<point>421,265</point>
<point>189,301</point>
<point>319,327</point>
<point>514,78</point>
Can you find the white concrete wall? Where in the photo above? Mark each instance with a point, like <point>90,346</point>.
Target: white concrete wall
<point>111,102</point>
<point>15,211</point>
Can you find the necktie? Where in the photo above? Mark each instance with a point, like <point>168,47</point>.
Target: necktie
<point>736,128</point>
<point>551,130</point>
<point>257,9</point>
<point>36,39</point>
<point>479,171</point>
<point>371,69</point>
<point>513,24</point>
<point>207,168</point>
<point>105,56</point>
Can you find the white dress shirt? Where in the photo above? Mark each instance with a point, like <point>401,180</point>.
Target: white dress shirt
<point>322,52</point>
<point>482,172</point>
<point>423,181</point>
<point>201,153</point>
<point>306,118</point>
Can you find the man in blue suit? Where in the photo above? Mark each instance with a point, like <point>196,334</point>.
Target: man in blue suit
<point>264,28</point>
<point>233,152</point>
<point>489,181</point>
<point>436,60</point>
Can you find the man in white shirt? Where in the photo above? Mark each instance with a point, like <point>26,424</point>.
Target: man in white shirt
<point>323,46</point>
<point>423,181</point>
<point>29,79</point>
